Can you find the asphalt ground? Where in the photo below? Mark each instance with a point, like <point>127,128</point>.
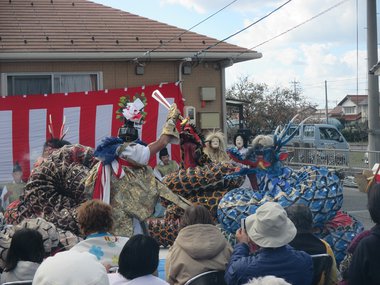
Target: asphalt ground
<point>355,203</point>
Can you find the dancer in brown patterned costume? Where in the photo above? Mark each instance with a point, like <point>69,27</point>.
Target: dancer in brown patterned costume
<point>55,188</point>
<point>56,184</point>
<point>199,180</point>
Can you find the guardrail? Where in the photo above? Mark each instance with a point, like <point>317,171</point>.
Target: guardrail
<point>332,158</point>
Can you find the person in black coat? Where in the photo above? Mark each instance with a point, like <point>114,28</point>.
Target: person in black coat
<point>364,268</point>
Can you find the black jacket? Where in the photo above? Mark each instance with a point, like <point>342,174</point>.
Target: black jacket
<point>365,265</point>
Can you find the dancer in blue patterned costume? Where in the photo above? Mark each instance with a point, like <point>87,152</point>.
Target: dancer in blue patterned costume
<point>318,187</point>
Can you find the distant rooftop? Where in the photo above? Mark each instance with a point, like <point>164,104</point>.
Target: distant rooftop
<point>357,99</point>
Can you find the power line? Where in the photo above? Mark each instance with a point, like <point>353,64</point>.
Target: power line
<point>285,32</point>
<point>242,30</point>
<point>334,82</point>
<point>347,84</point>
<point>348,78</point>
<point>186,31</point>
<point>347,89</point>
<point>339,87</point>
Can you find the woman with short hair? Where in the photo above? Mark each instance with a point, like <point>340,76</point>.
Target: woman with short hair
<point>95,216</point>
<point>96,223</point>
<point>137,262</point>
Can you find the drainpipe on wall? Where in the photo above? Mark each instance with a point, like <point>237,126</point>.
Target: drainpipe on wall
<point>223,65</point>
<point>180,75</point>
<point>186,59</point>
<point>224,107</point>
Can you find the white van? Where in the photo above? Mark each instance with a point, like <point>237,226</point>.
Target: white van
<point>321,136</point>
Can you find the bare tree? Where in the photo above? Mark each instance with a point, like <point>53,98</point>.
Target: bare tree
<point>267,108</point>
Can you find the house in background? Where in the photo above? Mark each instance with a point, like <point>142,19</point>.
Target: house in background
<point>352,109</point>
<point>53,46</point>
<point>320,114</point>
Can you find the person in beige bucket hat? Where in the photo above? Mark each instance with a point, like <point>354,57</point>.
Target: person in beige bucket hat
<point>270,226</point>
<point>262,249</point>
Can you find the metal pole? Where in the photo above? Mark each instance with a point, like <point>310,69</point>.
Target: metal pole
<point>357,52</point>
<point>327,105</point>
<point>373,84</point>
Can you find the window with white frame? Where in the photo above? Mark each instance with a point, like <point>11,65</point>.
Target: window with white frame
<point>349,110</point>
<point>45,83</point>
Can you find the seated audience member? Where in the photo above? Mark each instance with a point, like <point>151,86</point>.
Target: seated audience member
<point>137,262</point>
<point>24,256</point>
<point>346,262</point>
<point>71,268</point>
<point>365,264</point>
<point>12,191</point>
<point>271,230</point>
<point>268,280</point>
<point>96,224</point>
<point>305,240</point>
<point>199,247</point>
<point>165,166</point>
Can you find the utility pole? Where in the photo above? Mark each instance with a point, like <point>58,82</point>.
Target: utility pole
<point>295,83</point>
<point>295,90</point>
<point>327,104</point>
<point>373,84</point>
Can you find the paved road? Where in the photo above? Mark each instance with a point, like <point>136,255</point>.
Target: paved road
<point>355,203</point>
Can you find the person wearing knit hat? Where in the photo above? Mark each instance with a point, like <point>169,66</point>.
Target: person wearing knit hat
<point>71,268</point>
<point>269,231</point>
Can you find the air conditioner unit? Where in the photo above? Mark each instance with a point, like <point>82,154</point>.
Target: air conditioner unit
<point>208,93</point>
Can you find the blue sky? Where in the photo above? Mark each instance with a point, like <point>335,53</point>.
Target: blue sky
<point>324,48</point>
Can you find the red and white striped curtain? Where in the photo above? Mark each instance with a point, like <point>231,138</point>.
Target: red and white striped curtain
<point>90,117</point>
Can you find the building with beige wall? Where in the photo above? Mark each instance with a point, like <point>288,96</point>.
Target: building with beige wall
<point>53,46</point>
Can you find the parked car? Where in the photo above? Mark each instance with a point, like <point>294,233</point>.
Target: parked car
<point>326,143</point>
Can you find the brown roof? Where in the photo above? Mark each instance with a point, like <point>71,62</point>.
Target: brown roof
<point>355,117</point>
<point>61,26</point>
<point>357,99</point>
<point>337,111</point>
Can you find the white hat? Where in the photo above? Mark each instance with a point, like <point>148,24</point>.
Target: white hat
<point>71,268</point>
<point>270,226</point>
